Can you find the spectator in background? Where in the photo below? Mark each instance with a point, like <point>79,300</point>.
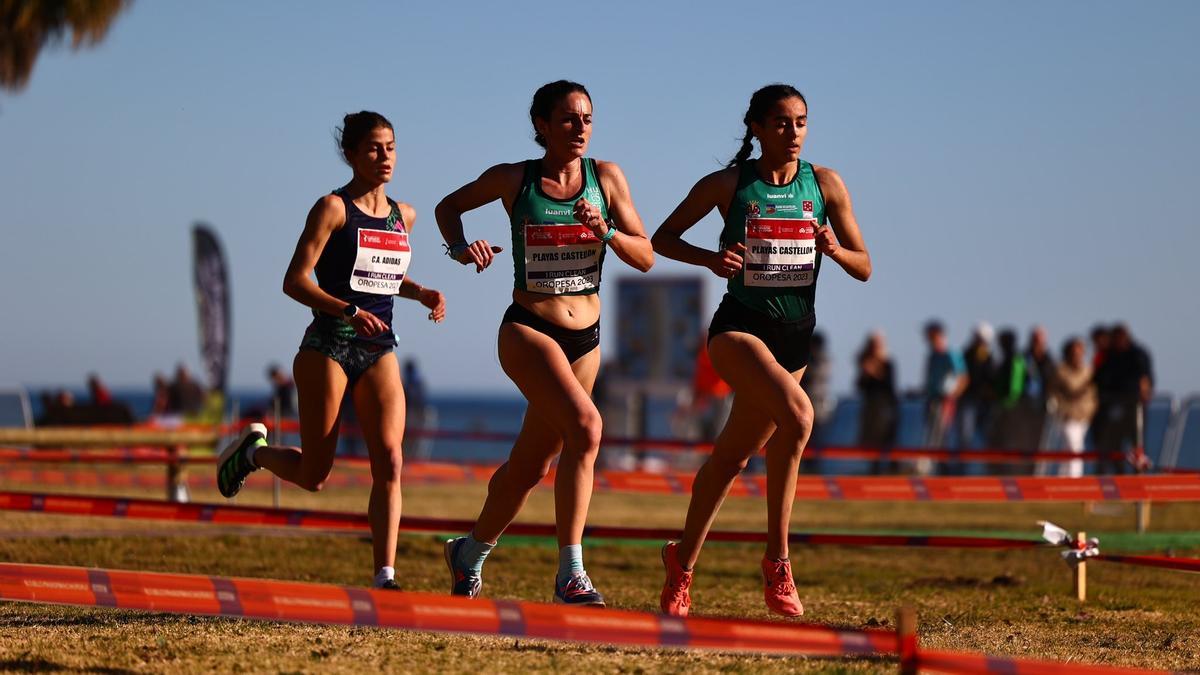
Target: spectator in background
<point>1101,337</point>
<point>1009,387</point>
<point>283,392</point>
<point>876,385</point>
<point>815,383</point>
<point>57,407</point>
<point>1126,383</point>
<point>99,393</point>
<point>711,396</point>
<point>1040,370</point>
<point>162,395</point>
<point>975,406</point>
<point>945,380</point>
<point>185,396</point>
<point>1072,397</point>
<point>102,408</point>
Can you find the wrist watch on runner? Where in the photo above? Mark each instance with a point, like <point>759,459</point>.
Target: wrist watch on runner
<point>349,312</point>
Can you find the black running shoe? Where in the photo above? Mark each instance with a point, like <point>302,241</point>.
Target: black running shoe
<point>389,585</point>
<point>578,590</point>
<point>233,465</point>
<point>463,582</point>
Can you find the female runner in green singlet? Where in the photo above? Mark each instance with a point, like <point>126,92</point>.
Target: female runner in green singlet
<point>565,210</point>
<point>782,215</point>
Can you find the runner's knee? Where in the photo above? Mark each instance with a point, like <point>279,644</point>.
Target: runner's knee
<point>797,422</point>
<point>728,467</point>
<point>387,467</point>
<point>312,478</point>
<point>528,475</point>
<point>313,483</point>
<point>584,434</point>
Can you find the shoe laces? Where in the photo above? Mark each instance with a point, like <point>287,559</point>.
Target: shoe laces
<point>781,577</point>
<point>578,583</point>
<point>679,588</point>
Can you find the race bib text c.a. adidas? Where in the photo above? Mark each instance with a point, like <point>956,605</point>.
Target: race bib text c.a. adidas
<point>381,262</point>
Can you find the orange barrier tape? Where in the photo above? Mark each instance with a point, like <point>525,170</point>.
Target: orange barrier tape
<point>1174,487</point>
<point>272,600</point>
<point>952,662</point>
<point>153,509</point>
<point>415,473</point>
<point>97,456</point>
<point>1185,564</point>
<point>152,454</point>
<point>90,478</point>
<point>346,605</point>
<point>996,455</point>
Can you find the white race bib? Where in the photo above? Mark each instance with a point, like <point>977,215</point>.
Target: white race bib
<point>561,258</point>
<point>780,252</point>
<point>381,262</point>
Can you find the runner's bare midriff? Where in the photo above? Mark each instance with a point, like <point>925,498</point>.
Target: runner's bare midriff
<point>572,312</point>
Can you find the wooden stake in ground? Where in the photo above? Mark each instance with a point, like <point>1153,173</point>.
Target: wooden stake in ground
<point>1081,569</point>
<point>906,638</point>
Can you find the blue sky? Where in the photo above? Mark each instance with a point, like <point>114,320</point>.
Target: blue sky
<point>1012,162</point>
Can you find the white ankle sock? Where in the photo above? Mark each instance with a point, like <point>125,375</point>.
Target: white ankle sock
<point>384,575</point>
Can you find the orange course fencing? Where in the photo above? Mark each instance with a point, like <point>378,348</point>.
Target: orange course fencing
<point>267,599</point>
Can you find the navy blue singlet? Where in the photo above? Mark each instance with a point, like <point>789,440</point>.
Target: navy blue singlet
<point>336,268</point>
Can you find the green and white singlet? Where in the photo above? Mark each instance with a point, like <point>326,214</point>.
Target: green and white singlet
<point>552,253</point>
<point>777,224</point>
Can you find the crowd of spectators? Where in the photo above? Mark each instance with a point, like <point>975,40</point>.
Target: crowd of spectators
<point>995,394</point>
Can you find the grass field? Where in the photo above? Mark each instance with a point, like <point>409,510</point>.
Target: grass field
<point>999,602</point>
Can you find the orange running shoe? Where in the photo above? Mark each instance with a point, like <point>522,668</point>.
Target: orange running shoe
<point>780,590</point>
<point>675,599</point>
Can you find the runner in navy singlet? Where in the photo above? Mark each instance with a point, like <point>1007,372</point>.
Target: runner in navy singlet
<point>356,241</point>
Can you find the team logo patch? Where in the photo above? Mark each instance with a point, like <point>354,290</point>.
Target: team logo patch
<point>752,209</point>
<point>806,205</point>
<point>593,195</point>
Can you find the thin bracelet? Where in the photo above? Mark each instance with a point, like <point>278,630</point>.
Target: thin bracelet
<point>452,250</point>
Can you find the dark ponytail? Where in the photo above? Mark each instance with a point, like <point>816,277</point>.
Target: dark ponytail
<point>355,127</point>
<point>760,103</point>
<point>546,97</point>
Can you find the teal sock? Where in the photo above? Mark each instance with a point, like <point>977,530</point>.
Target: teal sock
<point>472,553</point>
<point>570,561</point>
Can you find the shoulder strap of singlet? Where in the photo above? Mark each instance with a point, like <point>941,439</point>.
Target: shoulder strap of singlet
<point>743,171</point>
<point>341,192</point>
<point>530,174</point>
<point>746,173</point>
<point>399,214</point>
